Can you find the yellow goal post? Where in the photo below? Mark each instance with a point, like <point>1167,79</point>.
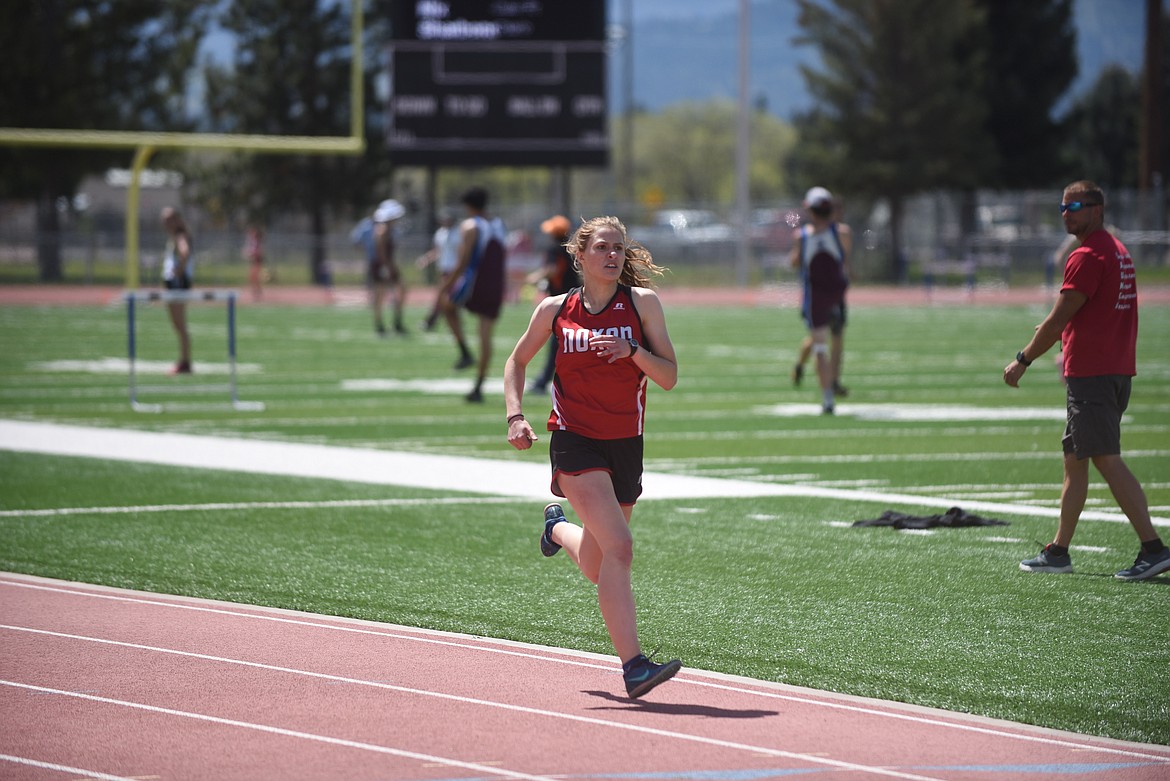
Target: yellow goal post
<point>146,143</point>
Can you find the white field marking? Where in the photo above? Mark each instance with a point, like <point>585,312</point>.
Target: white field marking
<point>890,433</point>
<point>462,441</point>
<point>945,413</point>
<point>541,653</point>
<point>750,471</point>
<point>268,422</point>
<point>1018,495</point>
<point>869,458</point>
<point>1088,548</point>
<point>956,487</point>
<point>446,386</point>
<point>226,506</point>
<point>1013,540</point>
<point>850,483</point>
<point>122,366</point>
<point>288,733</point>
<point>73,771</point>
<point>764,434</point>
<point>592,721</point>
<point>525,480</point>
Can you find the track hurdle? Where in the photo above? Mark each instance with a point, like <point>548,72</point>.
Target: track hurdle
<point>132,297</point>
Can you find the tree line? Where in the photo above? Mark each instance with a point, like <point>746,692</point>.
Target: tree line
<point>909,96</point>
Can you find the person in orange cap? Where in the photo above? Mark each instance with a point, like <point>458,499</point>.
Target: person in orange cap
<point>557,276</point>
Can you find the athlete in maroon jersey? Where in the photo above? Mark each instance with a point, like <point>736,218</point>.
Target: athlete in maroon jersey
<point>611,339</point>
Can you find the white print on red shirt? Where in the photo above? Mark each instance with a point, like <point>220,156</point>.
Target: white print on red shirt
<point>576,340</point>
<point>1127,292</point>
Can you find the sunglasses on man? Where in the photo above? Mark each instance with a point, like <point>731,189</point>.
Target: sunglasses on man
<point>1076,206</point>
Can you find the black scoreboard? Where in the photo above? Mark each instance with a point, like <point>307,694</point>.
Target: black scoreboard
<point>498,82</point>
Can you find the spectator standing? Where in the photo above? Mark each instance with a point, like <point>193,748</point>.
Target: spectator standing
<point>178,273</point>
<point>1095,318</point>
<point>254,254</point>
<point>375,235</point>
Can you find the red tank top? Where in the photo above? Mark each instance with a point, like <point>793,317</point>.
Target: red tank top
<point>590,396</point>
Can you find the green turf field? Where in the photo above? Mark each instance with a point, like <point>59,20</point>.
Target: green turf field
<point>781,589</point>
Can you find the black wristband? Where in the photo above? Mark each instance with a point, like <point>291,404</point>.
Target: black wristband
<point>1020,357</point>
<point>513,418</point>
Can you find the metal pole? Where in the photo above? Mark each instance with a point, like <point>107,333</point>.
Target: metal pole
<point>141,158</point>
<point>231,324</point>
<point>743,146</point>
<point>130,329</point>
<point>628,108</point>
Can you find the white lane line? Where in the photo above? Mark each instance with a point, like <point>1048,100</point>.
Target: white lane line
<point>280,731</point>
<point>525,480</point>
<point>1072,745</point>
<point>556,656</point>
<point>75,771</point>
<point>590,720</point>
<point>432,636</point>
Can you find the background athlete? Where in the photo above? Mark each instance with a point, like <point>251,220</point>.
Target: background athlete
<point>821,254</point>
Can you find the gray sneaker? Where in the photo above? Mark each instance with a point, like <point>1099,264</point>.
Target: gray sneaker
<point>1048,561</point>
<point>1147,565</point>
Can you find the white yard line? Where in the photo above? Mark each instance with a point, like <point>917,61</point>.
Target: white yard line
<point>520,480</point>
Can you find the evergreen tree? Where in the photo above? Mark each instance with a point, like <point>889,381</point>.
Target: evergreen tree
<point>899,102</point>
<point>1029,51</point>
<point>70,64</point>
<point>1101,143</point>
<point>290,76</point>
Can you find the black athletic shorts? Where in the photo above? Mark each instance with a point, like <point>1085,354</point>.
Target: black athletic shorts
<point>178,283</point>
<point>837,320</point>
<point>378,272</point>
<point>1095,406</point>
<point>573,454</point>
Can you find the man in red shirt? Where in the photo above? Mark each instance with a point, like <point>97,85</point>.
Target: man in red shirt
<point>1096,320</point>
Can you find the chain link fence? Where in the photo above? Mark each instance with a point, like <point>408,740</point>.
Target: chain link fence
<point>1010,238</point>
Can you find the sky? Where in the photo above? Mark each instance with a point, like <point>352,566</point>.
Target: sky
<point>1108,32</point>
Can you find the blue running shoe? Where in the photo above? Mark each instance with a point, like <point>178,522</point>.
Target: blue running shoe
<point>553,514</point>
<point>1048,561</point>
<point>642,675</point>
<point>1147,565</point>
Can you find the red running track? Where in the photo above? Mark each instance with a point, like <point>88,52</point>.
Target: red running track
<point>103,683</point>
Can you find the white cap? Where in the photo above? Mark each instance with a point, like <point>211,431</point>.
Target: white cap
<point>388,210</point>
<point>817,196</point>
